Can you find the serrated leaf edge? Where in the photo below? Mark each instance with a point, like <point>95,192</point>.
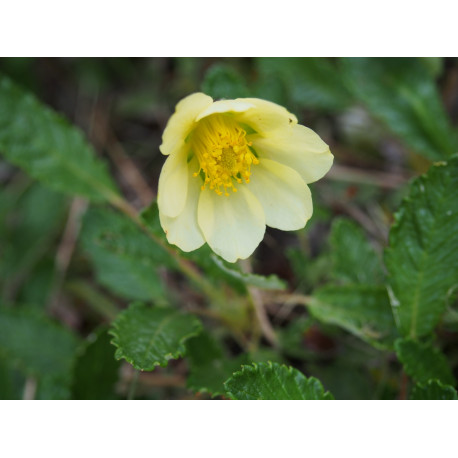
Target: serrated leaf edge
<point>181,351</point>
<point>269,365</point>
<point>423,345</point>
<point>407,200</point>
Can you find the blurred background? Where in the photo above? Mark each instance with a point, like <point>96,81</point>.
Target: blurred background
<point>385,120</point>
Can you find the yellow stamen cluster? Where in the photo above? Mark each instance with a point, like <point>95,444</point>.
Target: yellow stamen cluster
<point>220,144</point>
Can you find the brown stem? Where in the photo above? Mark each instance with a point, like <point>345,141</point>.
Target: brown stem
<point>67,246</point>
<point>258,304</point>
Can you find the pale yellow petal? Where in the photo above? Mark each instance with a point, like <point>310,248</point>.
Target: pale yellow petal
<point>299,148</point>
<point>183,230</point>
<point>182,121</point>
<point>233,226</point>
<point>226,106</point>
<point>173,184</point>
<point>283,194</point>
<point>266,116</point>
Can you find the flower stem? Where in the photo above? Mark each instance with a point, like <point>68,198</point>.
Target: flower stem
<point>258,305</point>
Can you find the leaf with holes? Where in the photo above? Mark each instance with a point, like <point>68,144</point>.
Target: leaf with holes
<point>421,258</point>
<point>270,381</point>
<point>147,337</point>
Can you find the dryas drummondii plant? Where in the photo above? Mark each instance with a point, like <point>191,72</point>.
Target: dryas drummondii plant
<point>233,167</point>
<point>364,315</point>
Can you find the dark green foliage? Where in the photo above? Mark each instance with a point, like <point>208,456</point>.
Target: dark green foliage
<point>308,82</point>
<point>292,337</point>
<point>421,258</point>
<point>354,259</point>
<point>31,227</point>
<point>38,347</point>
<point>96,370</point>
<point>126,260</point>
<point>209,366</point>
<point>362,310</point>
<point>270,381</point>
<point>355,326</point>
<point>423,362</point>
<point>48,148</point>
<point>402,93</point>
<point>12,381</point>
<point>433,391</point>
<point>222,81</point>
<point>150,336</point>
<point>346,380</point>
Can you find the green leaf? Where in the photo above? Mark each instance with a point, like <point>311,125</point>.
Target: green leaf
<point>423,242</point>
<point>38,285</point>
<point>126,260</point>
<point>345,379</point>
<point>47,147</point>
<point>270,282</point>
<point>402,93</point>
<point>54,388</point>
<point>309,270</point>
<point>31,227</point>
<point>433,390</point>
<point>271,381</point>
<point>423,362</point>
<point>209,367</point>
<point>362,310</point>
<point>37,347</point>
<point>96,370</point>
<point>150,336</point>
<point>308,82</point>
<point>355,260</point>
<point>222,81</point>
<point>12,382</point>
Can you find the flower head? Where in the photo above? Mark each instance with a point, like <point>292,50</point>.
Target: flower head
<point>233,167</point>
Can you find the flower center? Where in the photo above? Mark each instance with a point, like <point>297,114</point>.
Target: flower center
<point>221,147</point>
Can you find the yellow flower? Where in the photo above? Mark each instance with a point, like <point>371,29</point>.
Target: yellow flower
<point>233,167</point>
